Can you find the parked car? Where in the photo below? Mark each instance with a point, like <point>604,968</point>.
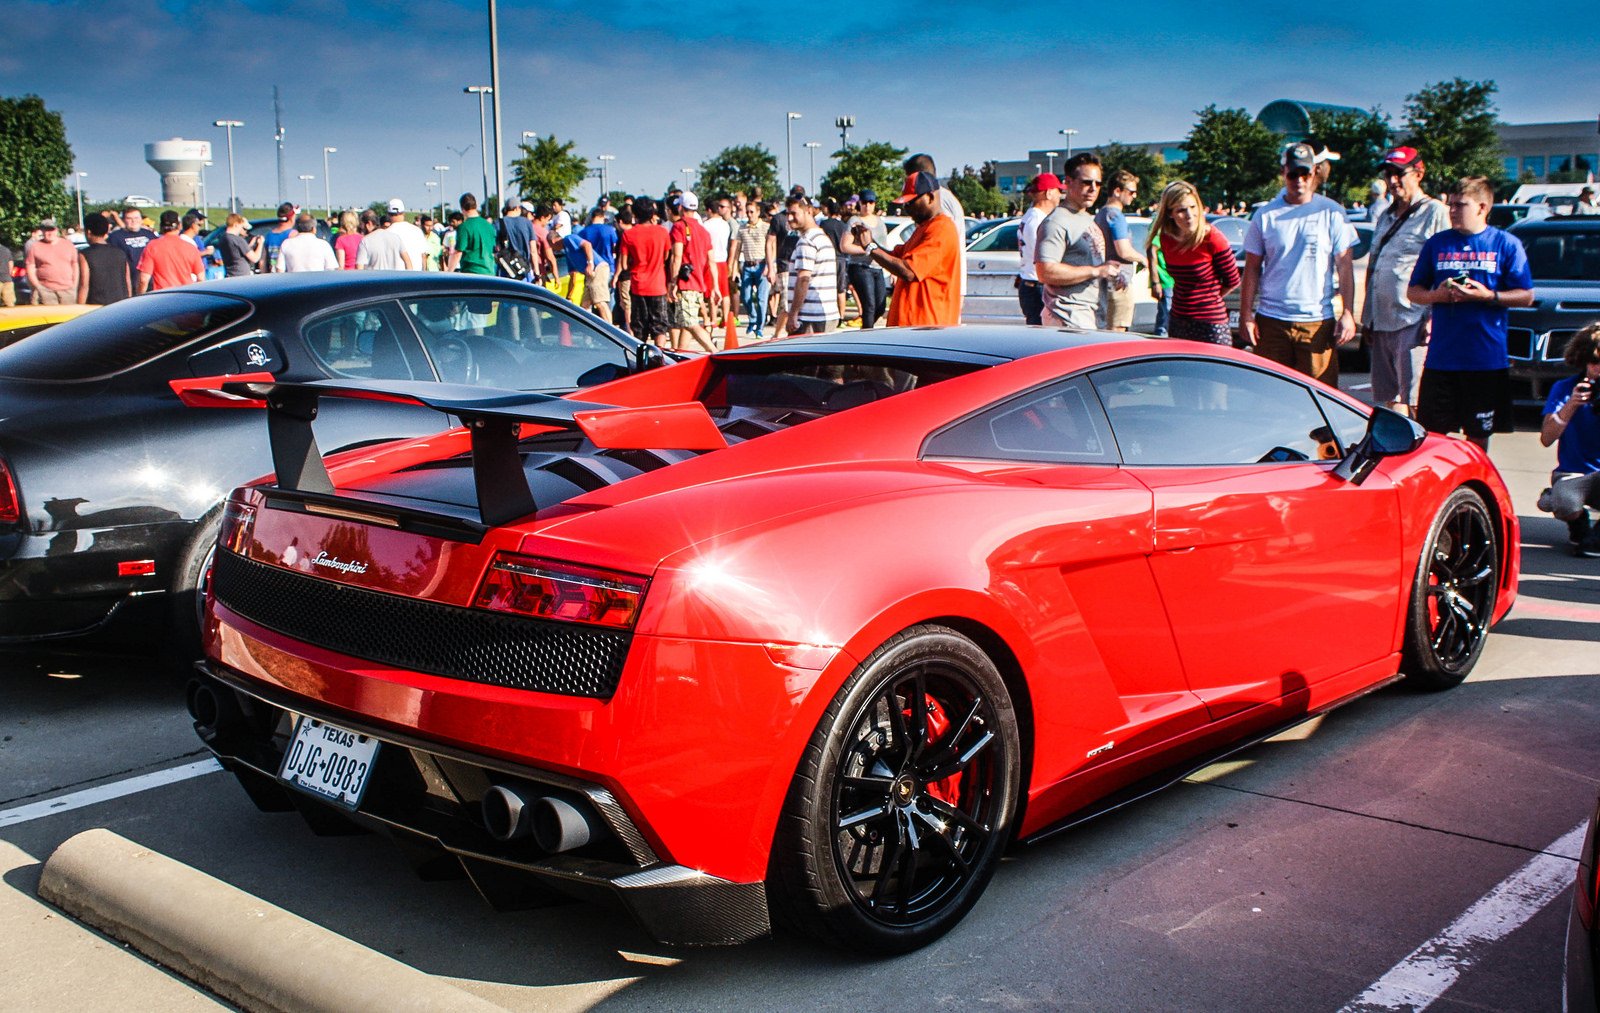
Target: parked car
<point>17,322</point>
<point>1564,256</point>
<point>111,489</point>
<point>1503,216</point>
<point>993,263</point>
<point>811,630</point>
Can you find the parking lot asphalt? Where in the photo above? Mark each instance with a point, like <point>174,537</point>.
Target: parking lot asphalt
<point>1296,875</point>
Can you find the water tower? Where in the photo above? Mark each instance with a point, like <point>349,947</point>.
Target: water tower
<point>179,163</point>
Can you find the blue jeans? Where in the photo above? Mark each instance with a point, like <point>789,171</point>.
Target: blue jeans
<point>1163,311</point>
<point>754,288</point>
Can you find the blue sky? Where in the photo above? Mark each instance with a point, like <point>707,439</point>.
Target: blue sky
<point>663,86</point>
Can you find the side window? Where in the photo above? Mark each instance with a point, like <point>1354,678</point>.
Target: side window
<point>1191,412</point>
<point>515,344</point>
<point>1062,424</point>
<point>1348,424</point>
<point>368,342</point>
<point>1002,240</point>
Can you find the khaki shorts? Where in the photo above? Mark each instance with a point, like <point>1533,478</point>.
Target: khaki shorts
<point>1303,345</point>
<point>1119,307</point>
<point>54,296</point>
<point>599,290</point>
<point>686,311</point>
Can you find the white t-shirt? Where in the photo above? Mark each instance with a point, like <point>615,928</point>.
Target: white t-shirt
<point>380,251</point>
<point>951,208</point>
<point>414,242</point>
<point>721,232</point>
<point>1027,232</point>
<point>561,224</point>
<point>303,251</point>
<point>1298,244</point>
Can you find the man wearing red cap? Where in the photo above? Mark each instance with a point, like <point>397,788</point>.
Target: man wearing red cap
<point>1046,193</point>
<point>926,267</point>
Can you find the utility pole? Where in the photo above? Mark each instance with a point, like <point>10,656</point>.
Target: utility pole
<point>494,84</point>
<point>844,123</point>
<point>277,119</point>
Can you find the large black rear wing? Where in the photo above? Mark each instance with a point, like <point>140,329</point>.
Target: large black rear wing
<point>494,419</point>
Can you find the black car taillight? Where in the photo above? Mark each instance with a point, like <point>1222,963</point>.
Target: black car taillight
<point>10,502</point>
<point>546,590</point>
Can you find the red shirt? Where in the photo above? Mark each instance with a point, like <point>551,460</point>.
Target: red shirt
<point>171,260</point>
<point>696,248</point>
<point>646,247</point>
<point>1199,275</point>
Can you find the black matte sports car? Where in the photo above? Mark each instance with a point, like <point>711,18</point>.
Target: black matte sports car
<point>111,479</point>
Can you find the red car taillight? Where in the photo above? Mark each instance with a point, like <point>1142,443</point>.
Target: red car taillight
<point>546,590</point>
<point>238,523</point>
<point>10,502</point>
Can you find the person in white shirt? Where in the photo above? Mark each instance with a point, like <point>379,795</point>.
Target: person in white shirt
<point>720,224</point>
<point>304,251</point>
<point>560,219</point>
<point>411,237</point>
<point>1045,191</point>
<point>381,249</point>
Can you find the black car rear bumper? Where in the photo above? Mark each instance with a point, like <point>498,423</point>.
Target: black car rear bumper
<point>428,798</point>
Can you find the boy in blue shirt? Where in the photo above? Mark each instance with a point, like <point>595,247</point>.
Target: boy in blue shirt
<point>1470,274</point>
<point>1572,423</point>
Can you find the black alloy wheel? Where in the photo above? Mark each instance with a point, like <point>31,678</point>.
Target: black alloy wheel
<point>1453,598</point>
<point>905,800</point>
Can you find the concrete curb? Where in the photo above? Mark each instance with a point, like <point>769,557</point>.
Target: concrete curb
<point>240,947</point>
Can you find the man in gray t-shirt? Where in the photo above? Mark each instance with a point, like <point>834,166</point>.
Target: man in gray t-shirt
<point>1069,252</point>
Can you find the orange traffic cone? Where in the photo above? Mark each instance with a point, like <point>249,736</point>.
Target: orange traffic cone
<point>730,336</point>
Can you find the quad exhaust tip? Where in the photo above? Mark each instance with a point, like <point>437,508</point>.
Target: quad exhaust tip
<point>554,824</point>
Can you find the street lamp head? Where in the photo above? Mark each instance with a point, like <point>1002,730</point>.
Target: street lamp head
<point>813,144</point>
<point>1052,154</point>
<point>477,89</point>
<point>304,176</point>
<point>228,123</point>
<point>441,168</point>
<point>329,151</point>
<point>1068,131</point>
<point>794,116</point>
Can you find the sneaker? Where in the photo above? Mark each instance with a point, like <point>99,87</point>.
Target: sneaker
<point>1579,528</point>
<point>1590,546</point>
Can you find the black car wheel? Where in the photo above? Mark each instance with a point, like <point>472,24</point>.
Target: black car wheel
<point>1453,597</point>
<point>182,647</point>
<point>904,800</point>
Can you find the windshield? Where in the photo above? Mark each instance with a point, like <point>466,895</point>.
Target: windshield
<point>118,337</point>
<point>1564,255</point>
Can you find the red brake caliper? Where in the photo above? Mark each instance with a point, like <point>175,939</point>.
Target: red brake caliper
<point>949,789</point>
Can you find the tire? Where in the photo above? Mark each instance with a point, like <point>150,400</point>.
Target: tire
<point>875,850</point>
<point>1453,594</point>
<point>182,647</point>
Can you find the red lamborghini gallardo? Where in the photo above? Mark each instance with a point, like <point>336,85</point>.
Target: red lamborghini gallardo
<point>811,631</point>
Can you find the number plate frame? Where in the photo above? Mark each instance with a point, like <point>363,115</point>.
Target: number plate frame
<point>332,763</point>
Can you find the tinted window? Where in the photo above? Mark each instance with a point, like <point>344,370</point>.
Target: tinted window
<point>1232,230</point>
<point>1348,424</point>
<point>1185,411</point>
<point>1001,240</point>
<point>514,344</point>
<point>1565,255</point>
<point>1062,424</point>
<point>816,384</point>
<point>118,337</point>
<point>370,342</point>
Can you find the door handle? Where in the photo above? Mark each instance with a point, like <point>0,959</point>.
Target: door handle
<point>1177,539</point>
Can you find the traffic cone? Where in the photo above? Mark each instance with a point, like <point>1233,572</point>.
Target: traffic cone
<point>730,335</point>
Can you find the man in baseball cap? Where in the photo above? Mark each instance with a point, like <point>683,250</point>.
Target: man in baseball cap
<point>1045,193</point>
<point>927,288</point>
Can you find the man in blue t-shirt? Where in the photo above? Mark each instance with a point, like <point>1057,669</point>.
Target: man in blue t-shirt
<point>602,239</point>
<point>1572,423</point>
<point>1469,274</point>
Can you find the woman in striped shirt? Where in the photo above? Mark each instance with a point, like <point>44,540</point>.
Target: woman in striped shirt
<point>1201,264</point>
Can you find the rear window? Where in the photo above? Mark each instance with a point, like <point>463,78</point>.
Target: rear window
<point>1564,255</point>
<point>118,337</point>
<point>820,385</point>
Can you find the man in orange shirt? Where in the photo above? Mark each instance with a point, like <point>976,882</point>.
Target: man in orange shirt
<point>926,267</point>
<point>172,259</point>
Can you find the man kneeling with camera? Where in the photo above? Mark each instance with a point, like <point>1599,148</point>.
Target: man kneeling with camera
<point>1572,422</point>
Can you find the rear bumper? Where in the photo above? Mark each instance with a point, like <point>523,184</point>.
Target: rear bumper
<point>64,584</point>
<point>427,797</point>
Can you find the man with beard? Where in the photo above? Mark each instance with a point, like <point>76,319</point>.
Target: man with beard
<point>926,267</point>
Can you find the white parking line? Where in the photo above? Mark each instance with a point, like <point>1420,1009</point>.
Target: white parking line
<point>1430,969</point>
<point>105,792</point>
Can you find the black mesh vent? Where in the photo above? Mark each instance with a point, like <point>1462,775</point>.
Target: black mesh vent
<point>458,643</point>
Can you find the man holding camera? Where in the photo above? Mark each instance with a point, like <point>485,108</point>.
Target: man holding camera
<point>1572,423</point>
<point>1470,274</point>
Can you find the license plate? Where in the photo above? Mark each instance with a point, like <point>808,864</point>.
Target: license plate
<point>1233,319</point>
<point>328,761</point>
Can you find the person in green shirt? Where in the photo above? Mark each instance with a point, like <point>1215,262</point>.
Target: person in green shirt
<point>1160,282</point>
<point>474,252</point>
<point>435,248</point>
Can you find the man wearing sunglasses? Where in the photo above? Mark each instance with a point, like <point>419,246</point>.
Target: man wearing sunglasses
<point>1396,329</point>
<point>1295,248</point>
<point>1070,250</point>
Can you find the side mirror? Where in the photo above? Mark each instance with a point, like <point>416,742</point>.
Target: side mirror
<point>1389,434</point>
<point>647,356</point>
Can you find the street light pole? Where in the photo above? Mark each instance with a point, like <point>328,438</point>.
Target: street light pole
<point>481,90</point>
<point>205,191</point>
<point>494,87</point>
<point>811,147</point>
<point>1069,133</point>
<point>306,179</point>
<point>327,187</point>
<point>788,136</point>
<point>844,123</point>
<point>233,193</point>
<point>688,177</point>
<point>440,169</point>
<point>605,174</point>
<point>79,181</point>
<point>1051,155</point>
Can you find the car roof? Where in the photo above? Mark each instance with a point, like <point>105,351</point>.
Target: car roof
<point>971,343</point>
<point>363,284</point>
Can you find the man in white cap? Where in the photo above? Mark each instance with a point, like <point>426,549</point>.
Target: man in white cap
<point>689,271</point>
<point>411,238</point>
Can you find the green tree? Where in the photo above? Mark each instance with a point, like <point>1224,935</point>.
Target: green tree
<point>547,170</point>
<point>748,167</point>
<point>1231,156</point>
<point>34,159</point>
<point>1151,168</point>
<point>1453,124</point>
<point>975,198</point>
<point>875,165</point>
<point>1360,138</point>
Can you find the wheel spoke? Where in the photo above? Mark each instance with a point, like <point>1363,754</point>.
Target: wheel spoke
<point>957,765</point>
<point>864,816</point>
<point>953,815</point>
<point>908,867</point>
<point>946,845</point>
<point>870,785</point>
<point>891,861</point>
<point>919,716</point>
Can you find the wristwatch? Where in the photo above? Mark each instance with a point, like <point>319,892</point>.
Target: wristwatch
<point>872,245</point>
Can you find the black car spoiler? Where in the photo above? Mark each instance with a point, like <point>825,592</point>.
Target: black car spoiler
<point>492,416</point>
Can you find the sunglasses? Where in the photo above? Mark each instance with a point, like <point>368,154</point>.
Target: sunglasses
<point>1089,182</point>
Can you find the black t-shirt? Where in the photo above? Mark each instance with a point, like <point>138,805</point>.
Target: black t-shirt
<point>108,274</point>
<point>132,244</point>
<point>835,228</point>
<point>787,239</point>
<point>234,252</point>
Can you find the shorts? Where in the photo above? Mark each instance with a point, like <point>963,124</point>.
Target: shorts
<point>686,311</point>
<point>1476,402</point>
<point>649,317</point>
<point>1190,329</point>
<point>598,291</point>
<point>54,296</point>
<point>1305,345</point>
<point>1119,307</point>
<point>1397,358</point>
<point>719,271</point>
<point>813,327</point>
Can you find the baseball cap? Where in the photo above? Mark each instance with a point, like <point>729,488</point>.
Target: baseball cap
<point>869,196</point>
<point>169,221</point>
<point>47,223</point>
<point>285,211</point>
<point>1300,155</point>
<point>688,201</point>
<point>1402,158</point>
<point>397,206</point>
<point>528,207</point>
<point>917,184</point>
<point>1045,181</point>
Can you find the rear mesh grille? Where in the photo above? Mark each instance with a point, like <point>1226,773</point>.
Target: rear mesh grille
<point>458,643</point>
